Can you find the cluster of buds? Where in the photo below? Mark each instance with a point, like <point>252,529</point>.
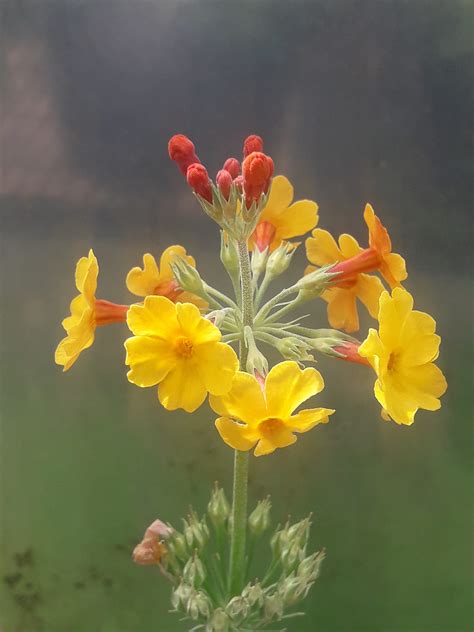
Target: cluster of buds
<point>239,193</point>
<point>195,562</point>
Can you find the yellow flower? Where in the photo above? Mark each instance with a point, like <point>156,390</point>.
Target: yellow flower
<point>175,347</point>
<point>402,355</point>
<point>251,415</point>
<point>87,313</point>
<point>322,249</point>
<point>280,219</point>
<point>160,281</point>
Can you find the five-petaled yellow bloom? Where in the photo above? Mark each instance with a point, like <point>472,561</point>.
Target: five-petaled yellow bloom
<point>175,347</point>
<point>252,415</point>
<point>281,219</point>
<point>154,280</point>
<point>322,249</point>
<point>402,355</point>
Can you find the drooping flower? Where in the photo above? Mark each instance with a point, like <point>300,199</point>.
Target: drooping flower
<point>175,347</point>
<point>265,416</point>
<point>321,250</point>
<point>378,256</point>
<point>154,280</point>
<point>281,219</point>
<point>87,313</point>
<point>402,354</point>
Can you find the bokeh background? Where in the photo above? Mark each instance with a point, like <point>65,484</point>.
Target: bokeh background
<point>357,101</point>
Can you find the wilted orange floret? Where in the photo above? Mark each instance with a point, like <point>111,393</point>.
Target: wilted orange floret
<point>224,182</point>
<point>198,179</point>
<point>182,151</point>
<point>252,143</point>
<point>232,165</point>
<point>257,171</point>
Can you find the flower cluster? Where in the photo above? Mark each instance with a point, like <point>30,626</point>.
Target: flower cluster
<point>183,336</point>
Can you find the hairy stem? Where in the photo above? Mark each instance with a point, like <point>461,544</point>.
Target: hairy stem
<point>241,459</point>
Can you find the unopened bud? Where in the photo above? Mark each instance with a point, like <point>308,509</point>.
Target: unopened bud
<point>292,589</point>
<point>239,183</point>
<point>252,143</point>
<point>292,348</point>
<point>199,606</point>
<point>291,556</point>
<point>273,607</point>
<point>310,567</point>
<point>316,282</point>
<point>194,572</point>
<point>257,171</point>
<point>200,531</point>
<point>259,261</point>
<point>279,541</point>
<point>256,361</point>
<point>181,150</point>
<point>259,519</point>
<point>298,533</point>
<point>280,258</point>
<point>238,607</point>
<point>218,508</point>
<point>198,179</point>
<point>180,596</point>
<point>219,621</point>
<point>229,253</point>
<point>224,182</point>
<point>254,594</point>
<point>232,165</point>
<point>187,277</point>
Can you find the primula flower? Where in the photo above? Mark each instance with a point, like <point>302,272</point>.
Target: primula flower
<point>159,280</point>
<point>263,416</point>
<point>378,256</point>
<point>322,249</point>
<point>402,353</point>
<point>178,349</point>
<point>87,313</point>
<point>281,219</point>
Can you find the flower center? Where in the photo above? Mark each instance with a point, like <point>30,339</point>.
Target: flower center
<point>392,361</point>
<point>184,347</point>
<point>270,427</point>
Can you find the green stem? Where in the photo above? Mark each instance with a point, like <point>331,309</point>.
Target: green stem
<point>241,459</point>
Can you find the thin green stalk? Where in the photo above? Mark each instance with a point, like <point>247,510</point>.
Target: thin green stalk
<point>220,296</point>
<point>241,459</point>
<point>267,279</point>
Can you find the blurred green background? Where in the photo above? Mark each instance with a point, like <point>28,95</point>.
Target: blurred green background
<point>357,101</point>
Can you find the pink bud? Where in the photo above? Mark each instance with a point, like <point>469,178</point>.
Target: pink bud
<point>232,165</point>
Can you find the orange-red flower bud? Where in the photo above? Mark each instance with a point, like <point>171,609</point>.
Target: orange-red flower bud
<point>198,179</point>
<point>181,150</point>
<point>251,144</point>
<point>232,165</point>
<point>224,182</point>
<point>257,171</point>
<point>350,352</point>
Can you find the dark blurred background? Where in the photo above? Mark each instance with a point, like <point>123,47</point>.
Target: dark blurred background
<point>357,101</point>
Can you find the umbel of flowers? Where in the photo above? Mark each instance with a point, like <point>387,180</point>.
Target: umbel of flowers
<point>192,342</point>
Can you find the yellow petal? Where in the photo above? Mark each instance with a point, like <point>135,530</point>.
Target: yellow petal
<point>422,349</point>
<point>348,246</point>
<point>267,446</point>
<point>244,401</point>
<point>79,305</point>
<point>307,419</point>
<point>297,219</point>
<point>168,256</point>
<point>149,359</point>
<point>87,271</point>
<point>182,388</point>
<point>236,435</point>
<point>143,282</point>
<point>281,196</point>
<point>156,317</point>
<point>342,309</point>
<point>194,326</point>
<point>427,380</point>
<point>216,364</point>
<point>368,289</point>
<point>287,386</point>
<point>375,352</point>
<point>187,297</point>
<point>322,249</point>
<point>393,312</point>
<point>394,269</point>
